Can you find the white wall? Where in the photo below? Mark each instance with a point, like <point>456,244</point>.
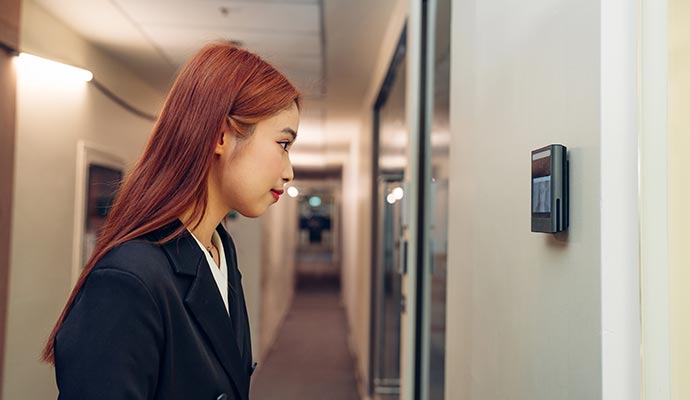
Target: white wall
<point>266,258</point>
<point>523,309</point>
<point>679,195</point>
<point>278,244</point>
<point>51,118</point>
<point>356,247</point>
<point>246,233</point>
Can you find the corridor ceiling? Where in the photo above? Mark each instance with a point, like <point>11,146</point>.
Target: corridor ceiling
<point>327,48</point>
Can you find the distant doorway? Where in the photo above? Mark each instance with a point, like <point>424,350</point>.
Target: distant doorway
<point>318,251</point>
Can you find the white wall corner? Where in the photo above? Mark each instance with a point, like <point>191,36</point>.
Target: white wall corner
<point>620,312</point>
<point>653,198</point>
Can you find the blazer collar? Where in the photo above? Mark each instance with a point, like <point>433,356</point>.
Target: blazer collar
<point>187,258</point>
<point>183,252</point>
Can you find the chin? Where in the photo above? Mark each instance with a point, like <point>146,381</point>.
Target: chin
<point>253,212</point>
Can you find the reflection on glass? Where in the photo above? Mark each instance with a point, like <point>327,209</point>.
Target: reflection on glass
<point>103,183</point>
<point>438,234</point>
<point>387,378</point>
<point>391,159</point>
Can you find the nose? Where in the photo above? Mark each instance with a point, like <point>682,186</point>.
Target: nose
<point>287,173</point>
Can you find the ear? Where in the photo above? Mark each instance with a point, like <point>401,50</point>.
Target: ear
<point>226,140</point>
<point>221,144</point>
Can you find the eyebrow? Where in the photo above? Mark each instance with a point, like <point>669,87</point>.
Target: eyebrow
<point>290,131</point>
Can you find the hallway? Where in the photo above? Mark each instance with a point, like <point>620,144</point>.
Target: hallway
<point>310,359</point>
<point>421,163</point>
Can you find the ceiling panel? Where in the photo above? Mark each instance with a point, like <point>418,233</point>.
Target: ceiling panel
<point>243,1</point>
<point>296,61</point>
<point>183,41</point>
<point>223,14</point>
<point>100,21</point>
<point>154,37</point>
<point>295,54</point>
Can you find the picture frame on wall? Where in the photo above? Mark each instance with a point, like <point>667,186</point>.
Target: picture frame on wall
<point>99,175</point>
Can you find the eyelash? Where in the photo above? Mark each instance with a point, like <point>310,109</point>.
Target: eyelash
<point>285,145</point>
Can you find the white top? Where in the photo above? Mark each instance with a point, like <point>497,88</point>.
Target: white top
<point>220,275</point>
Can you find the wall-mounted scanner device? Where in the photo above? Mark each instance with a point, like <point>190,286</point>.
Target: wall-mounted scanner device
<point>550,189</point>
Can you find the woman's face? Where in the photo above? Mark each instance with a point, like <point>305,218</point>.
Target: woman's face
<point>248,174</point>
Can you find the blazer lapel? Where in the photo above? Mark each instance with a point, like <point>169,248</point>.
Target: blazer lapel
<point>211,315</point>
<point>205,303</point>
<point>233,293</point>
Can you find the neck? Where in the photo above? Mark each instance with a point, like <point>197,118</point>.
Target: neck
<point>215,211</point>
<point>204,231</point>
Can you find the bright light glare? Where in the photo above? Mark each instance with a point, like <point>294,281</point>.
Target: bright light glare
<point>292,191</point>
<point>315,201</point>
<point>41,67</point>
<point>397,193</point>
<point>390,198</point>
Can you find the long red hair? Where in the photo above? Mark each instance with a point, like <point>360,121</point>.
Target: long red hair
<point>170,177</point>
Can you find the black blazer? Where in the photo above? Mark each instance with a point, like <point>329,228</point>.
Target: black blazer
<point>149,323</point>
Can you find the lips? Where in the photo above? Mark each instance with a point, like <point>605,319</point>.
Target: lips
<point>276,193</point>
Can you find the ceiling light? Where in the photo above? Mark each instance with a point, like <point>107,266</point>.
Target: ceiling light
<point>54,70</point>
<point>398,193</point>
<point>315,201</point>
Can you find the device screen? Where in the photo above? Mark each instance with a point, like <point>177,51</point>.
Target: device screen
<point>541,182</point>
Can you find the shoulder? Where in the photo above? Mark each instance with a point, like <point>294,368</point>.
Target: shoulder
<point>139,258</point>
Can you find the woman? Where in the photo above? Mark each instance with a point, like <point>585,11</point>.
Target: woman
<point>159,311</point>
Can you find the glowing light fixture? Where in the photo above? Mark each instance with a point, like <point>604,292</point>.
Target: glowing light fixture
<point>315,201</point>
<point>292,191</point>
<point>397,193</point>
<point>42,67</point>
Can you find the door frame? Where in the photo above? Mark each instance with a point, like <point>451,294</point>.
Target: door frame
<point>387,84</point>
<point>653,200</point>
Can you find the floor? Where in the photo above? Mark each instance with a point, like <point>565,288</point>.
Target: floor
<point>310,359</point>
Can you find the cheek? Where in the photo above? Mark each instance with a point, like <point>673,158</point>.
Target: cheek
<point>268,162</point>
<point>261,157</point>
<point>255,168</point>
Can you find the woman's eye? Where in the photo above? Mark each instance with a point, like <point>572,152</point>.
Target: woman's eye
<point>284,145</point>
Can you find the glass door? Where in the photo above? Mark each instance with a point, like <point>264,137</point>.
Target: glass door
<point>436,160</point>
<point>389,267</point>
<point>389,162</point>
